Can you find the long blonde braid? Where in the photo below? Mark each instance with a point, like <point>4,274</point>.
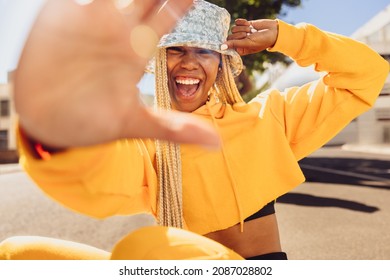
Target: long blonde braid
<point>170,202</point>
<point>226,85</point>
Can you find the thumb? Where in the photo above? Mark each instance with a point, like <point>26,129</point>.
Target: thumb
<point>239,45</point>
<point>178,127</point>
<point>232,44</point>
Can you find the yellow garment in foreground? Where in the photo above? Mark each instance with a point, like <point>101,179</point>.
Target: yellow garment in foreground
<point>262,142</point>
<point>147,243</point>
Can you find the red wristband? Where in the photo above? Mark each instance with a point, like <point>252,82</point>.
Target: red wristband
<point>41,152</point>
<point>38,150</point>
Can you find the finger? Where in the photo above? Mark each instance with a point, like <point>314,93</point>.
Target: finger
<point>241,21</point>
<point>236,44</point>
<point>237,36</point>
<point>242,47</point>
<point>264,24</point>
<point>169,13</point>
<point>241,28</point>
<point>136,10</point>
<point>149,21</point>
<point>159,15</point>
<point>177,127</point>
<point>155,21</point>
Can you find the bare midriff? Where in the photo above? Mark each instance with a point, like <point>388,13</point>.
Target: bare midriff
<point>260,236</point>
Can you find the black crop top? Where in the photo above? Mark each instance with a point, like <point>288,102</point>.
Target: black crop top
<point>269,209</point>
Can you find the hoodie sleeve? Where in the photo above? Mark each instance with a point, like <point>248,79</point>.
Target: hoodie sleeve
<point>314,113</point>
<point>116,178</point>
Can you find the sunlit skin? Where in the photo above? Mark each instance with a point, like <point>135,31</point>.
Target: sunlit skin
<point>191,74</point>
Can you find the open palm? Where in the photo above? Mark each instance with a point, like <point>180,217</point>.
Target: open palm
<point>76,80</point>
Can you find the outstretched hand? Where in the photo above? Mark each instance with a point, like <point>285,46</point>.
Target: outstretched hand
<point>253,36</point>
<point>76,83</point>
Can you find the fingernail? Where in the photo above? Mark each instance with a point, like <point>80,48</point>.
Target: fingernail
<point>253,30</point>
<point>122,4</point>
<point>83,2</point>
<point>224,47</point>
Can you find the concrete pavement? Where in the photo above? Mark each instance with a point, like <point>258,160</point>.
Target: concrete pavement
<point>25,210</point>
<point>9,168</point>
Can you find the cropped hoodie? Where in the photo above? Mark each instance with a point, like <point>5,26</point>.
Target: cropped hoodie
<point>262,142</point>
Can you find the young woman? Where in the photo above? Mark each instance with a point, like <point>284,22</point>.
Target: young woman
<point>227,194</point>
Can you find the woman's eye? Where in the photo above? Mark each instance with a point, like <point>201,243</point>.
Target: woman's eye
<point>174,50</point>
<point>204,51</point>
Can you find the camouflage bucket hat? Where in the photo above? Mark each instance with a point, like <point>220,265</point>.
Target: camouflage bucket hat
<point>204,26</point>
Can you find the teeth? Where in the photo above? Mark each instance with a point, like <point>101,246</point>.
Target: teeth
<point>188,81</point>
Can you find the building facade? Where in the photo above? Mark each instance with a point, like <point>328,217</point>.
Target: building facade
<point>7,125</point>
<point>373,127</point>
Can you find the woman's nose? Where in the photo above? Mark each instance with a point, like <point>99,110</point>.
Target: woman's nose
<point>189,61</point>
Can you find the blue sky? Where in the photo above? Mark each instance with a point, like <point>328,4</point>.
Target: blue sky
<point>339,16</point>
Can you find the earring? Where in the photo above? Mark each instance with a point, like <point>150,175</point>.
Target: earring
<point>216,93</point>
<point>216,97</point>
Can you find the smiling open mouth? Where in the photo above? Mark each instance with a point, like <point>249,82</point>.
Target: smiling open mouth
<point>187,87</point>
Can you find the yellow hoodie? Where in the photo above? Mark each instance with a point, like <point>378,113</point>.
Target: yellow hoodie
<point>262,142</point>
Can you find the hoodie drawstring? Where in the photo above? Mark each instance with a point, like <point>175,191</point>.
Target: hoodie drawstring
<point>229,169</point>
